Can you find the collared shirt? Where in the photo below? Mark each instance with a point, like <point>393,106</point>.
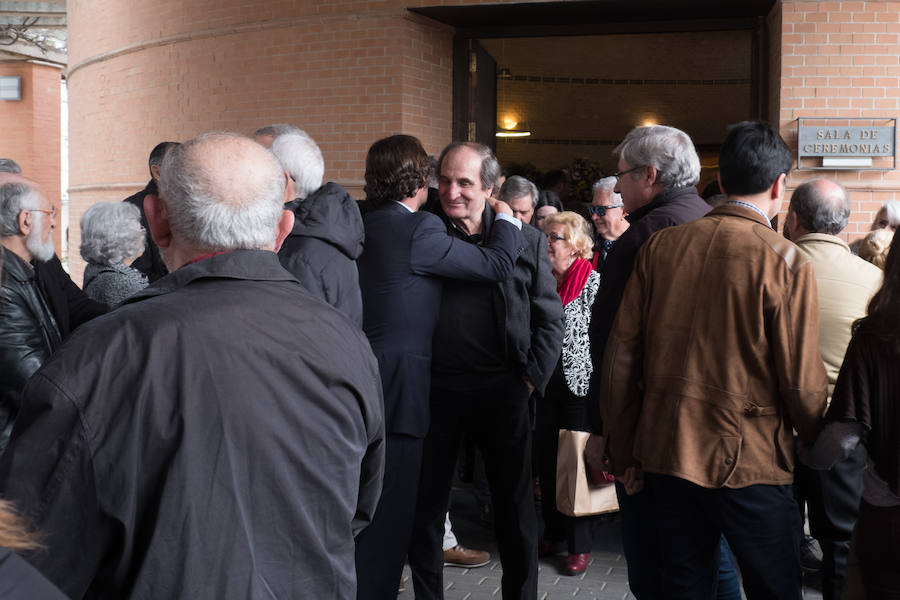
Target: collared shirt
<point>753,207</point>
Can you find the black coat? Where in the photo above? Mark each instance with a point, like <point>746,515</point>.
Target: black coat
<point>322,248</point>
<point>19,580</point>
<point>70,306</point>
<point>672,207</point>
<point>150,263</point>
<point>220,435</point>
<point>400,273</point>
<point>533,311</point>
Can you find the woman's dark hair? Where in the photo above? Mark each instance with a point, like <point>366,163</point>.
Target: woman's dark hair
<point>396,167</point>
<point>883,315</point>
<point>548,198</point>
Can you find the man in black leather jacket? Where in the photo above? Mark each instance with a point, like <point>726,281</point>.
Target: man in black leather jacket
<point>28,330</point>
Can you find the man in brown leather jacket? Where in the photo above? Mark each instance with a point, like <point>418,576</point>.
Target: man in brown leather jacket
<point>711,363</point>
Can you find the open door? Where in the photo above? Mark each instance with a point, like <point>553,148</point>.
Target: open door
<point>475,80</point>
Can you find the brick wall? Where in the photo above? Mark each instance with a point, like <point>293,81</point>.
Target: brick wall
<point>842,59</point>
<point>348,73</point>
<point>31,127</point>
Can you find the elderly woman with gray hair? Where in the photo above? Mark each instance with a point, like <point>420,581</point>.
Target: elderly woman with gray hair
<point>111,233</point>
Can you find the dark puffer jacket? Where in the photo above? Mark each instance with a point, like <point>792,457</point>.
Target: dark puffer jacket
<point>322,249</point>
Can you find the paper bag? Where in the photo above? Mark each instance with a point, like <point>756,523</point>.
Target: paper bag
<point>575,496</point>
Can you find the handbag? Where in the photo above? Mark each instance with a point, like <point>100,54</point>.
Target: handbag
<point>575,495</point>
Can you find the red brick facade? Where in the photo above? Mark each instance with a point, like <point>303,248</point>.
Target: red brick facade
<point>31,127</point>
<point>353,71</point>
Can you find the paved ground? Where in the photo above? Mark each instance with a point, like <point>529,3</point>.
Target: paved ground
<point>605,578</point>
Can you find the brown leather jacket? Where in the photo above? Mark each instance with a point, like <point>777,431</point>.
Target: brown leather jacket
<point>713,357</point>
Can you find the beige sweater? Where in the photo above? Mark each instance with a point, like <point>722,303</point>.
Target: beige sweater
<point>845,283</point>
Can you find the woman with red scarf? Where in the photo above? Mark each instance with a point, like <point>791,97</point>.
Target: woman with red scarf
<point>563,406</point>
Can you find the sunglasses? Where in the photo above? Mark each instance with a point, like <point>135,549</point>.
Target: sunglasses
<point>601,210</point>
<point>555,237</point>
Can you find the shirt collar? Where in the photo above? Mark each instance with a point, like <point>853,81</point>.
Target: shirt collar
<point>752,207</point>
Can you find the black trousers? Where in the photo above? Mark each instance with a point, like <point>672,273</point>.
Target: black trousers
<point>498,419</point>
<point>559,409</point>
<point>760,523</point>
<point>832,499</point>
<point>381,547</point>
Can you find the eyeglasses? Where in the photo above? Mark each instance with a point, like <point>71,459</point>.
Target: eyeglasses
<point>555,237</point>
<point>601,210</point>
<point>620,173</point>
<point>47,211</point>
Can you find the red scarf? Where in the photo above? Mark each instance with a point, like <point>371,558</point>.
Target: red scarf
<point>574,280</point>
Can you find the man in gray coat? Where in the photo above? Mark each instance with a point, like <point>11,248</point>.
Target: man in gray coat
<point>220,435</point>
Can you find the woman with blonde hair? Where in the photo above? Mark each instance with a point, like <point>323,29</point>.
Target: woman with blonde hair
<point>564,405</point>
<point>874,247</point>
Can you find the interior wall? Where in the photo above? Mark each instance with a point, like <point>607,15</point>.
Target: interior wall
<point>579,96</point>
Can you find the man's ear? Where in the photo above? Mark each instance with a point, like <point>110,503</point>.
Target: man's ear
<point>652,174</point>
<point>721,187</point>
<point>154,172</point>
<point>158,220</point>
<point>779,187</point>
<point>289,193</point>
<point>285,224</point>
<point>25,222</point>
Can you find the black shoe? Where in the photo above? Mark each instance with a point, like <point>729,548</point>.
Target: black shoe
<point>810,554</point>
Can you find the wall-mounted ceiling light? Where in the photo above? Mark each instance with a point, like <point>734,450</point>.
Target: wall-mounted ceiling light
<point>648,123</point>
<point>509,122</point>
<point>512,134</point>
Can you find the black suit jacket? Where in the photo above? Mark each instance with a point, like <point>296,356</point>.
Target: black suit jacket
<point>533,309</point>
<point>406,254</point>
<point>70,306</point>
<point>150,263</point>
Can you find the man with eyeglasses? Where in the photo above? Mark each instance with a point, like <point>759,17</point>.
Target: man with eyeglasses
<point>658,170</point>
<point>39,303</point>
<point>608,216</point>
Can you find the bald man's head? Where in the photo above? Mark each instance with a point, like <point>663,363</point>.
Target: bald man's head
<point>222,191</point>
<point>820,206</point>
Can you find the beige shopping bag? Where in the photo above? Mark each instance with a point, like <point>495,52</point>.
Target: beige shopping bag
<point>575,496</point>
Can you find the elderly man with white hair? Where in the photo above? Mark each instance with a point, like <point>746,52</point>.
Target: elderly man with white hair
<point>327,237</point>
<point>218,435</point>
<point>39,304</point>
<point>658,170</point>
<point>608,216</point>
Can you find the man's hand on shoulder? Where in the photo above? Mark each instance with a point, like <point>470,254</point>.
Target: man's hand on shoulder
<point>500,207</point>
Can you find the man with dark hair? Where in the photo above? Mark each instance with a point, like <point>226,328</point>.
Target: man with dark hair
<point>407,254</point>
<point>494,344</point>
<point>818,212</point>
<point>150,263</point>
<point>218,435</point>
<point>658,171</point>
<point>710,433</point>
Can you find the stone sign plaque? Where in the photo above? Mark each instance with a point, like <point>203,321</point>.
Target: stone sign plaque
<point>818,140</point>
<point>844,143</point>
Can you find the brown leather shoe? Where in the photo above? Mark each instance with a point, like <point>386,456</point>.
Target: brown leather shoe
<point>458,556</point>
<point>576,564</point>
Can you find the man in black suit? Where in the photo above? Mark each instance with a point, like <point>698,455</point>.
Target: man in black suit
<point>494,345</point>
<point>150,263</point>
<point>406,254</point>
